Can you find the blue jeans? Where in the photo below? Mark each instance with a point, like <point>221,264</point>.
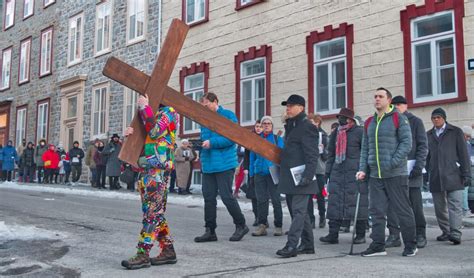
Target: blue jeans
<point>465,203</point>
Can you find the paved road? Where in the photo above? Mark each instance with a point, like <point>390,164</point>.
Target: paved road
<point>94,234</point>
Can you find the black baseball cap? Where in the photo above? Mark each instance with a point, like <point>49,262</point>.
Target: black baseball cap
<point>294,99</point>
<point>399,100</point>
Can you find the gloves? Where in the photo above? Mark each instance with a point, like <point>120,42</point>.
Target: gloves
<point>304,182</point>
<point>415,172</point>
<point>467,181</point>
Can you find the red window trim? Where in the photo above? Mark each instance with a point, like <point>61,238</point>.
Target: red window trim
<point>329,33</point>
<point>50,4</point>
<point>432,7</point>
<point>25,18</point>
<point>29,62</point>
<point>38,103</point>
<point>52,49</point>
<point>251,54</point>
<point>206,14</point>
<point>194,68</point>
<point>5,13</point>
<point>20,107</point>
<point>1,69</point>
<point>239,6</point>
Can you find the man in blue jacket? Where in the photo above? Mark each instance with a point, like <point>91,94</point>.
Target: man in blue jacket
<point>219,160</point>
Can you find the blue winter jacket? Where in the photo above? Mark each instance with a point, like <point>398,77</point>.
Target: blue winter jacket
<point>222,155</point>
<point>9,157</point>
<point>260,165</point>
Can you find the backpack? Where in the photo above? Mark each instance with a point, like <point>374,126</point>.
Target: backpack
<point>395,119</point>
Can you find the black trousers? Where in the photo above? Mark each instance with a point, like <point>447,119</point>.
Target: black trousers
<point>7,175</point>
<point>113,182</point>
<point>416,201</point>
<point>48,175</point>
<point>76,172</point>
<point>320,199</point>
<point>172,180</point>
<point>301,227</point>
<point>391,192</point>
<point>28,173</point>
<point>100,176</point>
<point>41,173</point>
<point>265,190</point>
<point>336,224</point>
<point>220,183</point>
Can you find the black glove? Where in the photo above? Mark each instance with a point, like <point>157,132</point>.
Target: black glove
<point>304,182</point>
<point>467,181</point>
<point>415,172</point>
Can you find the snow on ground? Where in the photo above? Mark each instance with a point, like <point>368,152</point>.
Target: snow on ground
<point>20,232</point>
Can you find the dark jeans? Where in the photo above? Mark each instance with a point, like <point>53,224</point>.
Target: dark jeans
<point>114,182</point>
<point>48,175</point>
<point>265,189</point>
<point>93,177</point>
<point>416,200</point>
<point>76,172</point>
<point>40,170</point>
<point>68,173</point>
<point>300,222</point>
<point>100,176</point>
<point>321,202</point>
<point>172,180</point>
<point>336,224</point>
<point>7,175</point>
<point>28,173</point>
<point>394,192</point>
<point>220,182</point>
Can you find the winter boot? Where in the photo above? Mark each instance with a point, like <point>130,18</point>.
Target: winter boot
<point>359,239</point>
<point>330,238</point>
<point>393,241</point>
<point>278,231</point>
<point>167,256</point>
<point>322,222</point>
<point>261,230</point>
<point>140,260</point>
<point>420,241</point>
<point>240,232</point>
<point>207,236</point>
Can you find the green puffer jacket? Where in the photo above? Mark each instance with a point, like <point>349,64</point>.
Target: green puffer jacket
<point>385,147</point>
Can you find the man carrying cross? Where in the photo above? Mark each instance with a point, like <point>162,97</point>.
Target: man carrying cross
<point>157,161</point>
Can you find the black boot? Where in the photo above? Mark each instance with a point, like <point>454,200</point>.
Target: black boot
<point>420,241</point>
<point>287,252</point>
<point>330,238</point>
<point>393,241</point>
<point>359,239</point>
<point>322,222</point>
<point>209,235</point>
<point>240,232</point>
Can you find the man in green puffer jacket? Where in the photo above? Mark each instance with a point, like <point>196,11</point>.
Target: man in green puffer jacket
<point>386,143</point>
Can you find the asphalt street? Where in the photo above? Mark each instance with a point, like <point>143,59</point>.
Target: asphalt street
<point>94,234</point>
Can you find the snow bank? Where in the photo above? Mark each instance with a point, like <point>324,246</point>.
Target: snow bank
<point>19,232</point>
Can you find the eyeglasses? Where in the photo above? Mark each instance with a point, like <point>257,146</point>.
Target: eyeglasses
<point>266,123</point>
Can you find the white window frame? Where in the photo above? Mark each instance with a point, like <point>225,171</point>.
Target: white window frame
<point>193,173</point>
<point>110,5</point>
<point>47,3</point>
<point>42,116</point>
<point>6,68</point>
<point>329,61</point>
<point>24,63</point>
<point>136,39</point>
<point>129,93</point>
<point>196,128</point>
<point>9,13</point>
<point>253,77</point>
<point>46,46</point>
<point>73,33</point>
<point>96,88</point>
<point>197,10</point>
<point>20,129</point>
<point>434,57</point>
<point>31,8</point>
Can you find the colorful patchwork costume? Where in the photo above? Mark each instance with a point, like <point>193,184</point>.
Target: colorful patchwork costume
<point>157,164</point>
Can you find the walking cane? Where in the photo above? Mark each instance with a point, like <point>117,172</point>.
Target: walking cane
<point>351,253</point>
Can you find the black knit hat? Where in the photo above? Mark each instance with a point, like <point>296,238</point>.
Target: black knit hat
<point>399,100</point>
<point>75,142</point>
<point>439,112</point>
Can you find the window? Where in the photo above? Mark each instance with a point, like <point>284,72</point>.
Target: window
<point>195,11</point>
<point>434,53</point>
<point>193,83</point>
<point>240,4</point>
<point>46,51</point>
<point>47,3</point>
<point>136,20</point>
<point>6,68</point>
<point>253,84</point>
<point>20,130</point>
<point>99,111</point>
<point>9,19</point>
<point>196,177</point>
<point>24,66</point>
<point>72,107</point>
<point>130,109</point>
<point>75,39</point>
<point>103,27</point>
<point>28,8</point>
<point>330,69</point>
<point>42,119</point>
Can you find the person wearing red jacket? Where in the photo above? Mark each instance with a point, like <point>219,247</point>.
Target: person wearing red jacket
<point>51,163</point>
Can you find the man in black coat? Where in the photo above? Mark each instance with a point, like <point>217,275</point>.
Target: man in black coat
<point>416,163</point>
<point>449,169</point>
<point>76,155</point>
<point>300,149</point>
<point>28,163</point>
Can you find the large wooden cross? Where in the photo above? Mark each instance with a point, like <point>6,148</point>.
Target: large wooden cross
<point>155,86</point>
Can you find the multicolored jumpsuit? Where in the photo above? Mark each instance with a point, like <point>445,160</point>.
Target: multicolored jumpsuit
<point>159,153</point>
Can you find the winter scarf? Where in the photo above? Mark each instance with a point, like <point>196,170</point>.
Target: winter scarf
<point>341,143</point>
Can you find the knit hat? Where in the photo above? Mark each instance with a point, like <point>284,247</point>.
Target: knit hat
<point>266,118</point>
<point>115,135</point>
<point>439,112</point>
<point>75,142</point>
<point>467,130</point>
<point>399,100</point>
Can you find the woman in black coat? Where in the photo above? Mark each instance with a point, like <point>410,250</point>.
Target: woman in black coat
<point>341,167</point>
